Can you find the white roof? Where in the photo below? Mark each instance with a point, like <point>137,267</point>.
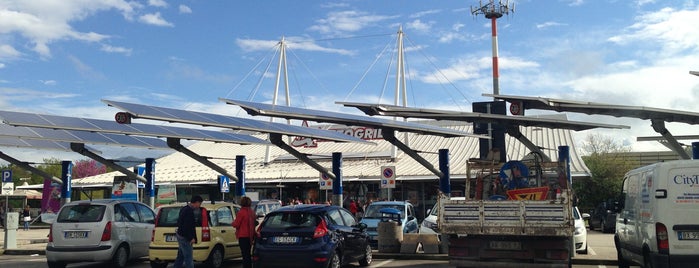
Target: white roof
<point>360,161</point>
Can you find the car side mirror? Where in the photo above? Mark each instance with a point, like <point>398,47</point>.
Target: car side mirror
<point>586,216</point>
<point>411,218</point>
<point>362,226</point>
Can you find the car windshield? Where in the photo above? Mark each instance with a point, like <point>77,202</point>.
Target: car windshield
<point>434,210</point>
<point>82,213</point>
<point>290,220</point>
<point>576,215</point>
<point>373,210</point>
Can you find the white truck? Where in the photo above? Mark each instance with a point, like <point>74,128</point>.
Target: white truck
<point>516,213</point>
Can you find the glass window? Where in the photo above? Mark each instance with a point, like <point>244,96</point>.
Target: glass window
<point>349,219</point>
<point>291,220</point>
<point>167,217</point>
<point>224,216</point>
<point>126,212</point>
<point>82,213</point>
<point>146,213</point>
<point>334,217</point>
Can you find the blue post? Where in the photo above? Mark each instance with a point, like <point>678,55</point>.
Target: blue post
<point>444,183</point>
<point>66,177</point>
<point>149,174</point>
<point>695,150</point>
<point>337,183</point>
<point>240,173</point>
<point>564,157</point>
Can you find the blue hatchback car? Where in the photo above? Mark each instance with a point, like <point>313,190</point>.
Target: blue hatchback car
<point>311,236</point>
<point>372,217</point>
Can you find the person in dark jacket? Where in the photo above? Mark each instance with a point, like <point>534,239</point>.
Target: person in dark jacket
<point>186,233</point>
<point>245,229</point>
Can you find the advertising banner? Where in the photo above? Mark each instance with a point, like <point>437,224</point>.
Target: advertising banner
<point>124,188</point>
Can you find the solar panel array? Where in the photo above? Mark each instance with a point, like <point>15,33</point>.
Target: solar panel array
<point>347,119</point>
<point>77,136</point>
<point>391,110</point>
<point>207,119</point>
<point>104,126</point>
<point>36,144</point>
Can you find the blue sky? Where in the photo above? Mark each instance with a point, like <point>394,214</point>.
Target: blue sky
<point>61,57</point>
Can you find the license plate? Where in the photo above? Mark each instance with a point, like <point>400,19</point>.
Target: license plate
<point>505,245</point>
<point>75,235</point>
<point>285,239</point>
<point>170,238</point>
<point>688,235</point>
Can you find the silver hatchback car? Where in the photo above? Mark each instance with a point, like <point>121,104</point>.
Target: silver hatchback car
<point>105,230</point>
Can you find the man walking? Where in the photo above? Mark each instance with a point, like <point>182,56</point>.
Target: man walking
<point>186,234</point>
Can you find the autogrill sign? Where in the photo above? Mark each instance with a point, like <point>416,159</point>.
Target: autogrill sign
<point>365,133</point>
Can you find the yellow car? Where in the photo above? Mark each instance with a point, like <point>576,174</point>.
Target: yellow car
<point>216,239</point>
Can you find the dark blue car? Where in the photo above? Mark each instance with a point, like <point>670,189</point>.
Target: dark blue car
<point>311,236</point>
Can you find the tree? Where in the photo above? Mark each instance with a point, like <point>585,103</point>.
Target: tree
<point>604,157</point>
<point>88,167</point>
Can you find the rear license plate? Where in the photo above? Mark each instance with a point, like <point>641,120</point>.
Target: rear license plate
<point>505,245</point>
<point>285,239</point>
<point>688,235</point>
<point>170,238</point>
<point>75,235</point>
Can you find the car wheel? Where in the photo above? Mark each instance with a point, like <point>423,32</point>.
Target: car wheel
<point>215,259</point>
<point>158,264</point>
<point>53,264</point>
<point>367,258</point>
<point>334,261</point>
<point>120,258</point>
<point>646,261</point>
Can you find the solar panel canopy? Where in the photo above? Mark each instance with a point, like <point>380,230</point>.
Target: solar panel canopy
<point>104,126</point>
<point>392,110</point>
<point>77,136</point>
<point>34,144</point>
<point>640,112</point>
<point>347,119</point>
<point>207,119</point>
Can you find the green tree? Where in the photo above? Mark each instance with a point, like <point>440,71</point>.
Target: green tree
<point>604,157</point>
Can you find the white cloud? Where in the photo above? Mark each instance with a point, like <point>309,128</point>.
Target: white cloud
<point>673,30</point>
<point>8,52</point>
<point>2,65</point>
<point>42,22</point>
<point>342,22</point>
<point>155,19</point>
<point>85,70</point>
<point>425,13</point>
<point>419,26</point>
<point>292,43</point>
<point>157,3</point>
<point>549,24</point>
<point>49,82</point>
<point>113,49</point>
<point>185,9</point>
<point>576,2</point>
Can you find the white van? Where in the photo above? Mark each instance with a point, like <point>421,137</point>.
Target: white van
<point>658,221</point>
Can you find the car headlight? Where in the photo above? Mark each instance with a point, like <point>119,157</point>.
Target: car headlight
<point>428,224</point>
<point>579,230</point>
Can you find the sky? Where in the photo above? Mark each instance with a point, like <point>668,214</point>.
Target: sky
<point>61,57</point>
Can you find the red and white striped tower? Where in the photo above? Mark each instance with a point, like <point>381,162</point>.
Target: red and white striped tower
<point>493,11</point>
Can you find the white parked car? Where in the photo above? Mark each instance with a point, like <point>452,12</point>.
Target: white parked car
<point>580,235</point>
<point>429,224</point>
<point>105,230</point>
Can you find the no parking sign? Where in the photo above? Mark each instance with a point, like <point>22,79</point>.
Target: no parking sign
<point>326,183</point>
<point>388,177</point>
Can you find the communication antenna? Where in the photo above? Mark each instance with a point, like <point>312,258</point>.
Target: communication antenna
<point>493,11</point>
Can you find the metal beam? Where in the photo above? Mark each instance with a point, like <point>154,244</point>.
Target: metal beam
<point>672,143</point>
<point>26,166</point>
<point>174,143</point>
<point>276,139</point>
<point>80,148</point>
<point>515,133</point>
<point>389,135</point>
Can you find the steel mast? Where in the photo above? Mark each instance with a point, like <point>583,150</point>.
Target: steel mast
<point>493,11</point>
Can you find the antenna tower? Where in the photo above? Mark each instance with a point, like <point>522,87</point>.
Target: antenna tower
<point>493,11</point>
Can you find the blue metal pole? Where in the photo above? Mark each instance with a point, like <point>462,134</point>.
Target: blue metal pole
<point>695,150</point>
<point>149,174</point>
<point>564,157</point>
<point>240,173</point>
<point>444,182</point>
<point>337,183</point>
<point>66,177</point>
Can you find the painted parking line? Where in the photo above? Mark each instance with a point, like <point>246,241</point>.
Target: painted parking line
<point>591,251</point>
<point>382,263</point>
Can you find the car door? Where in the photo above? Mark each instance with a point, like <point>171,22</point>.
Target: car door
<point>224,226</point>
<point>356,238</point>
<point>144,226</point>
<point>341,231</point>
<point>124,227</point>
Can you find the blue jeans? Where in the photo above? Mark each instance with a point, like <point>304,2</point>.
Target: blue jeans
<point>185,253</point>
<point>26,225</point>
